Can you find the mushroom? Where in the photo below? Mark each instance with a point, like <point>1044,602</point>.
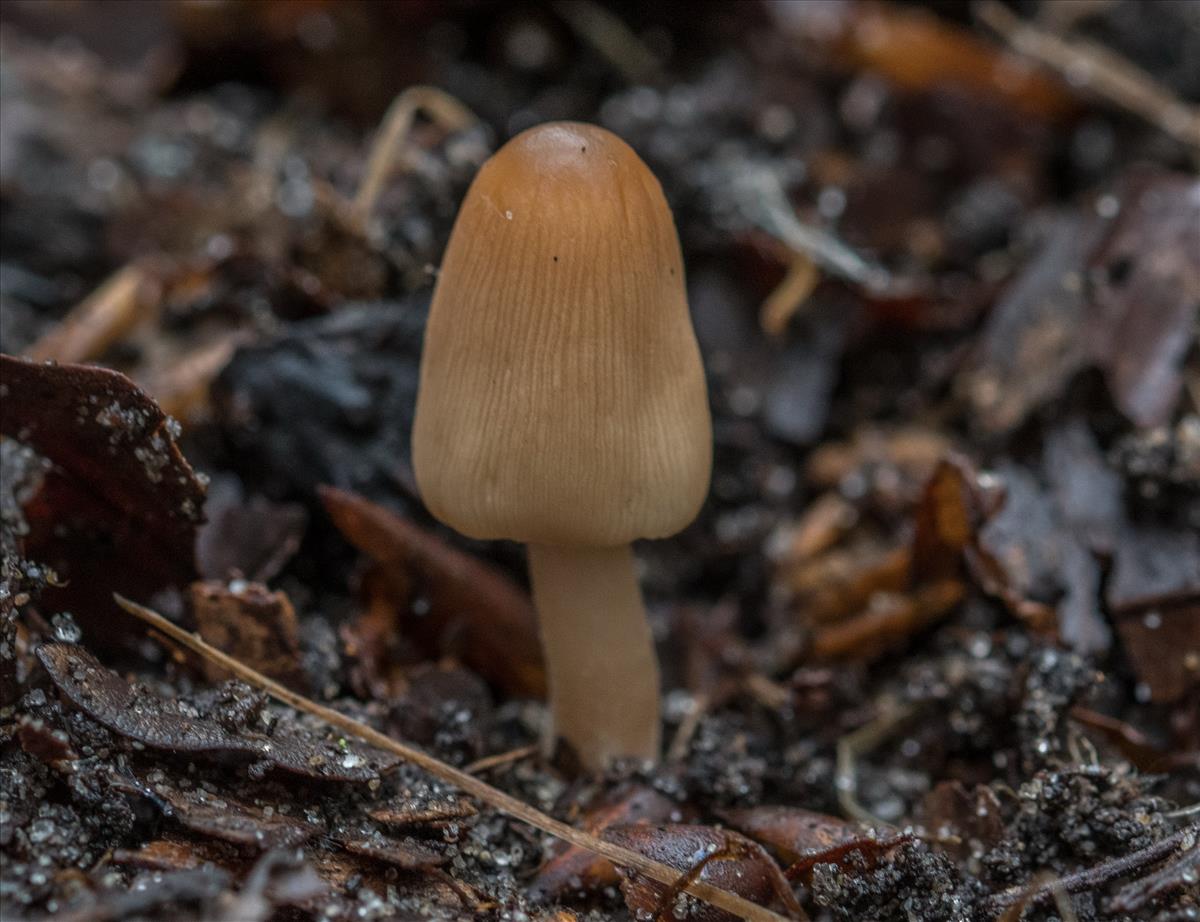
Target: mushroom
<point>562,403</point>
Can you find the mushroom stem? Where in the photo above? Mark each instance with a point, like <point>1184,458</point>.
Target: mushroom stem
<point>600,661</point>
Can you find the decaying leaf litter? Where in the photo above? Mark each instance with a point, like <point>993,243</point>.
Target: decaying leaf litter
<point>933,648</point>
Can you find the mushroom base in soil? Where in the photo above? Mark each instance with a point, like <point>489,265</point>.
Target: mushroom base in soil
<point>563,404</point>
<point>601,665</point>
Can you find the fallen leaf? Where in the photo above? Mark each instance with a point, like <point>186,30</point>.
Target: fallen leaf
<point>793,833</point>
<point>725,858</point>
<point>120,507</point>
<point>573,869</point>
<point>1116,286</point>
<point>252,624</point>
<point>1146,293</point>
<point>172,726</point>
<point>246,538</point>
<point>919,51</point>
<point>467,596</point>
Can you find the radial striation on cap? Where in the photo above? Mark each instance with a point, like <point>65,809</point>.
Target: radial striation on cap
<point>562,397</point>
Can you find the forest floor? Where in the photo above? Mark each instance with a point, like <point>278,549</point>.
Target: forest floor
<point>930,652</point>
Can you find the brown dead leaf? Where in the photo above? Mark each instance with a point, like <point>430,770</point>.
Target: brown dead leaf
<point>252,624</point>
<point>120,508</point>
<point>1146,293</point>
<point>573,869</point>
<point>793,833</point>
<point>804,838</point>
<point>722,858</point>
<point>1116,285</point>
<point>467,596</point>
<point>176,852</point>
<point>170,725</point>
<point>1145,753</point>
<point>919,51</point>
<point>890,619</point>
<point>434,815</point>
<point>948,519</point>
<point>841,582</point>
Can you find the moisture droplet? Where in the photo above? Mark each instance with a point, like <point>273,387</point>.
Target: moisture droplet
<point>65,628</point>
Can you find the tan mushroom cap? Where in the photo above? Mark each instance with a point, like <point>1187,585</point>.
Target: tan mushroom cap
<point>562,397</point>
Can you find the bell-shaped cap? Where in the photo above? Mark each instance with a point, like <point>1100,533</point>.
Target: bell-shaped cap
<point>562,398</point>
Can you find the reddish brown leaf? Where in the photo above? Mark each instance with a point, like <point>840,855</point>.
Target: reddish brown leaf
<point>724,858</point>
<point>842,582</point>
<point>574,869</point>
<point>434,814</point>
<point>466,596</point>
<point>112,439</point>
<point>252,624</point>
<point>120,509</point>
<point>793,833</point>
<point>948,518</point>
<point>1136,746</point>
<point>922,52</point>
<point>890,620</point>
<point>45,743</point>
<point>175,852</point>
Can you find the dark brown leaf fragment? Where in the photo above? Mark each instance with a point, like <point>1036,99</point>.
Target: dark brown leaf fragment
<point>725,858</point>
<point>494,616</point>
<point>792,832</point>
<point>573,869</point>
<point>252,624</point>
<point>111,439</point>
<point>171,725</point>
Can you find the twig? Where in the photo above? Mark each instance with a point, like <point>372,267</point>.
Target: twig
<point>611,37</point>
<point>733,850</point>
<point>121,302</point>
<point>759,196</point>
<point>1098,875</point>
<point>505,803</point>
<point>789,295</point>
<point>1107,74</point>
<point>502,758</point>
<point>855,744</point>
<point>443,108</point>
<point>687,728</point>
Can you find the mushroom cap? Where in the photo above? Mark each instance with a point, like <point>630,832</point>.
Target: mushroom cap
<point>562,397</point>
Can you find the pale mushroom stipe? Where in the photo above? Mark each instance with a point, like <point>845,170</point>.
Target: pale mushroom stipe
<point>562,403</point>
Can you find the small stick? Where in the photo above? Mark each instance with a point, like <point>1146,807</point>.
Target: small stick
<point>759,196</point>
<point>502,758</point>
<point>782,304</point>
<point>393,132</point>
<point>854,744</point>
<point>1096,68</point>
<point>121,302</point>
<point>609,35</point>
<point>1096,876</point>
<point>505,803</point>
<point>687,728</point>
